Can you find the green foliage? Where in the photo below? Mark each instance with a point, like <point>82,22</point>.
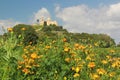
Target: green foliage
<point>23,29</point>
<point>57,59</point>
<point>53,28</point>
<point>53,31</point>
<point>57,55</point>
<point>118,45</point>
<point>8,57</point>
<point>102,40</point>
<point>27,32</point>
<point>30,38</point>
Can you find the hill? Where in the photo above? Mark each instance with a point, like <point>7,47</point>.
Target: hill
<point>51,52</point>
<point>33,33</point>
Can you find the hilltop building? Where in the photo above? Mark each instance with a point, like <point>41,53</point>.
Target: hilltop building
<point>42,21</point>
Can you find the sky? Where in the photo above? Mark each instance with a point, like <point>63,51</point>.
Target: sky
<point>89,16</point>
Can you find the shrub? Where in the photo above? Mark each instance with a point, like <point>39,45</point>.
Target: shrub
<point>118,45</point>
<point>27,32</point>
<point>30,38</point>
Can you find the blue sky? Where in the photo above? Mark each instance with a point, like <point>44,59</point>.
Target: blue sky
<point>92,16</point>
<point>22,10</point>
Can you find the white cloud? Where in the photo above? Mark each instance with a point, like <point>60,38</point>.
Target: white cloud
<point>114,11</point>
<point>81,18</point>
<point>7,23</point>
<point>43,12</point>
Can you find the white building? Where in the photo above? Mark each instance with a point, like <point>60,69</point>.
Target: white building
<point>48,21</point>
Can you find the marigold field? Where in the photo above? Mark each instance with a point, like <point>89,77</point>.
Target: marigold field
<point>57,60</point>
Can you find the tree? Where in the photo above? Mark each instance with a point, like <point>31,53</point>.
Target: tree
<point>27,31</point>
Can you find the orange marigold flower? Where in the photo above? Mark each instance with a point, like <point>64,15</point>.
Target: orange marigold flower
<point>10,29</point>
<point>104,61</point>
<point>30,61</point>
<point>66,49</point>
<point>73,54</point>
<point>77,69</point>
<point>88,58</point>
<point>77,59</point>
<point>101,71</point>
<point>25,49</point>
<point>73,68</point>
<point>26,71</point>
<point>91,65</point>
<point>24,56</point>
<point>76,45</point>
<point>112,51</point>
<point>112,74</point>
<point>76,75</point>
<point>115,64</point>
<point>108,57</point>
<point>23,29</point>
<point>67,59</point>
<point>34,55</point>
<point>81,47</point>
<point>28,66</point>
<point>95,76</point>
<point>64,40</point>
<point>47,47</point>
<point>19,67</point>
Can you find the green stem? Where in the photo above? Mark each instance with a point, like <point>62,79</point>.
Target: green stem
<point>4,74</point>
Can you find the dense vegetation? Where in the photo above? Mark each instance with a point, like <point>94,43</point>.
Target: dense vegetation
<point>33,33</point>
<point>52,53</point>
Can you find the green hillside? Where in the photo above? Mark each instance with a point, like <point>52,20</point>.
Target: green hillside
<point>37,52</point>
<point>54,32</point>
